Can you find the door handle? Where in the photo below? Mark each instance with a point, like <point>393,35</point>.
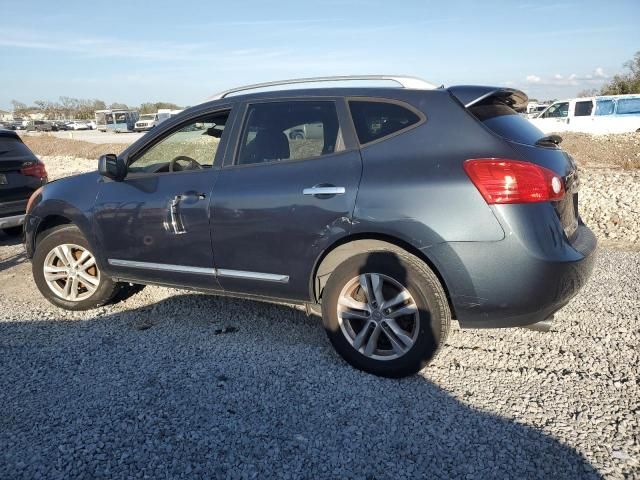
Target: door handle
<point>324,190</point>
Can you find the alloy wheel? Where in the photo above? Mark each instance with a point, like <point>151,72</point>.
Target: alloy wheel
<point>378,316</point>
<point>71,272</point>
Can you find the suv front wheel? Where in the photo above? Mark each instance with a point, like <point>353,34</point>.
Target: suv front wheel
<point>385,313</point>
<point>66,272</point>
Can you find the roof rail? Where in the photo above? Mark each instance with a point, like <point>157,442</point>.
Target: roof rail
<point>402,80</point>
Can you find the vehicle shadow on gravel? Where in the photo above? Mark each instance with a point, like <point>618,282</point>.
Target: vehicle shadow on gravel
<point>208,386</point>
<point>15,259</point>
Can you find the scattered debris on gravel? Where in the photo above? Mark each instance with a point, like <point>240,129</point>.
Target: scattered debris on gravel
<point>155,387</point>
<point>609,203</point>
<point>171,384</point>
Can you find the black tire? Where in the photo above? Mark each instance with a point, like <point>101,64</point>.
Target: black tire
<point>106,290</point>
<point>13,231</point>
<point>425,288</point>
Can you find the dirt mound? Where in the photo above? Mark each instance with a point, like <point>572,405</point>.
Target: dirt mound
<point>619,150</point>
<point>47,145</point>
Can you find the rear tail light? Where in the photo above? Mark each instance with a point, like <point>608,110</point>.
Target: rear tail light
<point>36,169</point>
<point>513,181</point>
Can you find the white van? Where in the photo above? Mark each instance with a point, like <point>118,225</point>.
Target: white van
<point>597,115</point>
<point>150,120</point>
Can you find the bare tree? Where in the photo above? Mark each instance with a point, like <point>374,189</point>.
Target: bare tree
<point>589,92</point>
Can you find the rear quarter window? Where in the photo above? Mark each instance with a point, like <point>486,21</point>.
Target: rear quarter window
<point>375,120</point>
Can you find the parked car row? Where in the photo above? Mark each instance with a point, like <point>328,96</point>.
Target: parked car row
<point>48,125</point>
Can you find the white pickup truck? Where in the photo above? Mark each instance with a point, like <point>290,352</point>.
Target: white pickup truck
<point>150,120</point>
<point>596,115</point>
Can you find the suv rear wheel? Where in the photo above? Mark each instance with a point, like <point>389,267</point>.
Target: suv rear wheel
<point>385,313</point>
<point>66,272</point>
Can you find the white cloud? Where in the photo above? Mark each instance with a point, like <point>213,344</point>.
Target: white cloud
<point>557,76</point>
<point>599,73</point>
<point>533,79</point>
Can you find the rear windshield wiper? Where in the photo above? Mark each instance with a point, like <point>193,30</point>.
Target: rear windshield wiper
<point>549,140</point>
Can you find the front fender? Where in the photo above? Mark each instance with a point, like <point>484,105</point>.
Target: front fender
<point>69,200</point>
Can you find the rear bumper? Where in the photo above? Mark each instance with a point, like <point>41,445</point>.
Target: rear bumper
<point>509,283</point>
<point>13,221</point>
<point>14,207</point>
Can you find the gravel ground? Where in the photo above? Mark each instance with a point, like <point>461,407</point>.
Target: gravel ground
<point>172,384</point>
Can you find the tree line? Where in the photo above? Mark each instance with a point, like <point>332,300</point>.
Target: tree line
<point>80,108</point>
<point>624,83</point>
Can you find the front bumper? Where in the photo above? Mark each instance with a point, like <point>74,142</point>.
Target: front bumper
<point>511,284</point>
<point>13,221</point>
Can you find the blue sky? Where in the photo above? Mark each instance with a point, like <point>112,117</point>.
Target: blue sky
<point>183,51</point>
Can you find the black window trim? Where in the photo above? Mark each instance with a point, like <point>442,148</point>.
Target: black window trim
<point>243,117</point>
<point>180,123</point>
<point>421,115</point>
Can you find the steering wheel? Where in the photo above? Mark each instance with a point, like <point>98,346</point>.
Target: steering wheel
<point>193,165</point>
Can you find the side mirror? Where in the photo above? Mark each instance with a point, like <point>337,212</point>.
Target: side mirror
<point>111,166</point>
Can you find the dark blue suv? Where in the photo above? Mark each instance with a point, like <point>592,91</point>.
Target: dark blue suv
<point>389,210</point>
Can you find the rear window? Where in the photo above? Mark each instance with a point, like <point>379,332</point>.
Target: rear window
<point>376,120</point>
<point>505,122</point>
<point>13,149</point>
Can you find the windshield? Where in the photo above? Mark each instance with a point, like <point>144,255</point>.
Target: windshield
<point>148,117</point>
<point>505,122</point>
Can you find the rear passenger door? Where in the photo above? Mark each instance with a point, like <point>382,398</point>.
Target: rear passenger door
<point>282,197</point>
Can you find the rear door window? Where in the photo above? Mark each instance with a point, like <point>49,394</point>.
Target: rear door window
<point>284,131</point>
<point>376,120</point>
<point>583,109</point>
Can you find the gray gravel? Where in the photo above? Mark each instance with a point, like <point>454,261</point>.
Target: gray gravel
<point>173,384</point>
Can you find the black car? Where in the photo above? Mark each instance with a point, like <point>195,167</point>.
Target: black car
<point>407,207</point>
<point>21,174</point>
<point>41,126</point>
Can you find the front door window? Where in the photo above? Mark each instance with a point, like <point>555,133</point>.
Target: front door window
<point>192,147</point>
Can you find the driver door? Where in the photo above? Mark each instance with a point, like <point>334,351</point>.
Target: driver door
<point>154,225</point>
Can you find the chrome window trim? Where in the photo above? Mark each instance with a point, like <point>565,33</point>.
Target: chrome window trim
<point>167,267</point>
